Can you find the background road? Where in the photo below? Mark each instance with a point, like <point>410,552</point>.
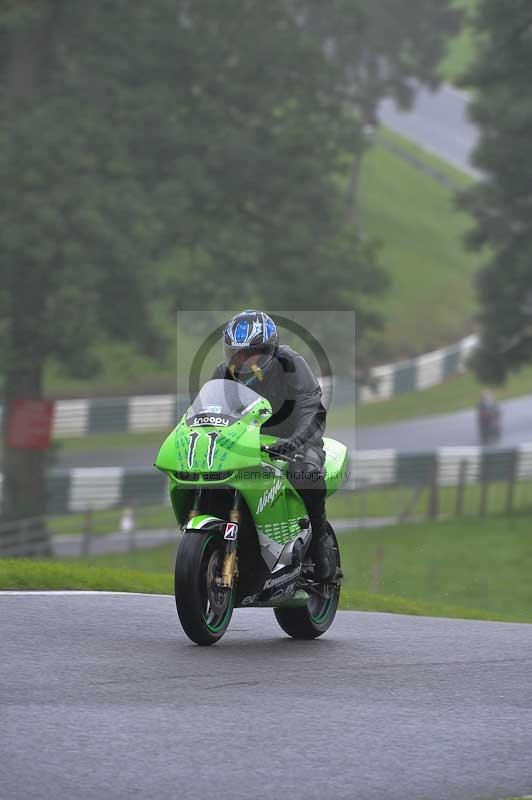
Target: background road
<point>439,123</point>
<point>103,696</point>
<point>442,430</point>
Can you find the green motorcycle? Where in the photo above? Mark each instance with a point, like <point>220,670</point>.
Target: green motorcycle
<point>245,528</point>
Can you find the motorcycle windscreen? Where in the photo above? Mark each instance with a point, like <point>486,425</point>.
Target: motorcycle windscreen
<point>221,402</point>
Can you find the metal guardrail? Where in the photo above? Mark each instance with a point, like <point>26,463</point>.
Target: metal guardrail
<point>381,482</point>
<point>415,374</point>
<point>24,537</point>
<point>447,466</point>
<point>77,490</point>
<point>142,414</point>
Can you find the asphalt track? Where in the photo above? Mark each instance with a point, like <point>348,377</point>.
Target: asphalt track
<point>102,696</point>
<point>439,122</point>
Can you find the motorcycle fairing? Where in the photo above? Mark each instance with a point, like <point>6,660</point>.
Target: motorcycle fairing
<point>229,456</point>
<point>336,460</point>
<point>203,522</point>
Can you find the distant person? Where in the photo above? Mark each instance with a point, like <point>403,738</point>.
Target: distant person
<point>489,418</point>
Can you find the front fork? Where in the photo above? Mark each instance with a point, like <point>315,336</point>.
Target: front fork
<point>230,566</point>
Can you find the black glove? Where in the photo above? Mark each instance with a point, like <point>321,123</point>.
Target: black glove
<point>285,447</point>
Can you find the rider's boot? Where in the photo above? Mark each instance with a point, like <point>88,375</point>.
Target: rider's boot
<point>322,551</point>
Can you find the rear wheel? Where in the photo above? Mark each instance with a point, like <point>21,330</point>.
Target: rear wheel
<point>203,608</point>
<point>312,620</point>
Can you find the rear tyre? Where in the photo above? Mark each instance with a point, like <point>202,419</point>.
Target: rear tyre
<point>204,610</point>
<point>317,616</point>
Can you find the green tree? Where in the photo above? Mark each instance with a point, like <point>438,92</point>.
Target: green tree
<point>272,133</point>
<point>150,163</point>
<point>501,201</point>
<point>383,49</point>
<point>83,111</point>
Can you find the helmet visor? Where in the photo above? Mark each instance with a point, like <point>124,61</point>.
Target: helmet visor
<point>248,362</point>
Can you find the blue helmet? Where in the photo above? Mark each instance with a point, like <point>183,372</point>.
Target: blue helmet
<point>250,342</point>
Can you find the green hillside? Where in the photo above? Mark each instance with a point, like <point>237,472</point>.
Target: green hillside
<point>413,215</point>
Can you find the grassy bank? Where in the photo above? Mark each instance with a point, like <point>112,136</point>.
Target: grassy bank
<point>473,564</point>
<point>16,574</point>
<point>461,568</point>
<point>32,575</point>
<point>391,502</point>
<point>431,301</point>
<point>108,521</point>
<point>440,568</point>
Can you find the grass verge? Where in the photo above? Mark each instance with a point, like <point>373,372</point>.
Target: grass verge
<point>391,502</point>
<point>423,160</point>
<point>108,521</point>
<point>477,569</point>
<point>475,564</point>
<point>33,575</point>
<point>19,574</point>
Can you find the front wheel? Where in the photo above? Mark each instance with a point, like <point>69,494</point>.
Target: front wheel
<point>312,620</point>
<point>203,608</point>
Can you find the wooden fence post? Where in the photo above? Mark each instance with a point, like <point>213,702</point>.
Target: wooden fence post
<point>433,497</point>
<point>484,487</point>
<point>510,490</point>
<point>24,537</point>
<point>363,504</point>
<point>460,489</point>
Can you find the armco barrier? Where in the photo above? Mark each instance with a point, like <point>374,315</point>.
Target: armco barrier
<point>382,468</point>
<point>419,373</point>
<point>142,414</point>
<point>117,415</point>
<point>25,537</point>
<point>77,490</point>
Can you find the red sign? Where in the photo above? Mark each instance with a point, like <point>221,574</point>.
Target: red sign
<point>29,425</point>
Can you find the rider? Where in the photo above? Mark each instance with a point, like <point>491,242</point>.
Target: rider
<point>488,415</point>
<point>254,357</point>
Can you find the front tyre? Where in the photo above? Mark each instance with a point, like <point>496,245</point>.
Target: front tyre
<point>317,616</point>
<point>204,609</point>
